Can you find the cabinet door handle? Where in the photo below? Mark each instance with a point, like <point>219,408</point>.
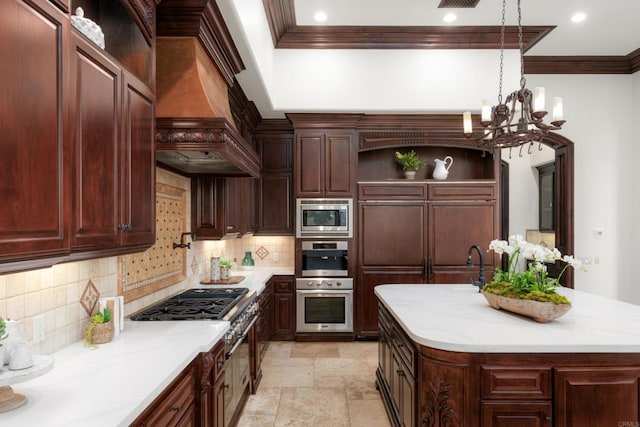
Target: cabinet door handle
<point>426,268</point>
<point>430,269</point>
<point>121,226</point>
<point>400,372</point>
<point>176,408</point>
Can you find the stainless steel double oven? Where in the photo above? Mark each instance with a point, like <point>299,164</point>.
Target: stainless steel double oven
<point>324,293</point>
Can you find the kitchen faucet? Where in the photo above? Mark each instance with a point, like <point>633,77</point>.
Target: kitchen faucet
<point>481,281</point>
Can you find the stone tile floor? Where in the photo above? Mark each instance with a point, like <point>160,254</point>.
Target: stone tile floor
<point>317,385</point>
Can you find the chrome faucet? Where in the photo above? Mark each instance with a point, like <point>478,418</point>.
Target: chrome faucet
<point>481,281</point>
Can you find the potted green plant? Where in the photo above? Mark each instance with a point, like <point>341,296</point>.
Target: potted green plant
<point>410,163</point>
<point>532,291</point>
<point>225,269</point>
<point>99,329</point>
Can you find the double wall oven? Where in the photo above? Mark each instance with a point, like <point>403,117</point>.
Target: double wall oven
<point>236,305</point>
<point>324,293</point>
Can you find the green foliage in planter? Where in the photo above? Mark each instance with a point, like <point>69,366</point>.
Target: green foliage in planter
<point>103,316</point>
<point>225,263</point>
<point>512,290</point>
<point>409,161</point>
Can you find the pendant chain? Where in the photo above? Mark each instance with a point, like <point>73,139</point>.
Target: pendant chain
<point>504,6</point>
<point>523,81</point>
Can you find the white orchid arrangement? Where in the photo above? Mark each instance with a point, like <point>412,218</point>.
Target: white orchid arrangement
<point>534,282</point>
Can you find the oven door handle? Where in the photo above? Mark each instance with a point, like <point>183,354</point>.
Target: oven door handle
<point>326,292</point>
<point>242,338</point>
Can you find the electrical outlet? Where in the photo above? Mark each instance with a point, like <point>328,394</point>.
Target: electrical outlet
<point>598,233</point>
<point>596,260</point>
<point>276,257</point>
<point>38,328</point>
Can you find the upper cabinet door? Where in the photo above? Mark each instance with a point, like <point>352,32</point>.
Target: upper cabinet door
<point>34,173</point>
<point>309,164</point>
<point>340,165</point>
<point>138,190</point>
<point>325,164</point>
<point>96,95</point>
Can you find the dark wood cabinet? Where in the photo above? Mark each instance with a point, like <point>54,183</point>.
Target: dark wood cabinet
<point>284,308</point>
<point>97,95</point>
<point>176,405</point>
<point>453,227</point>
<point>221,207</point>
<point>396,373</point>
<point>275,187</point>
<point>596,396</point>
<point>419,233</point>
<point>325,163</point>
<point>211,386</point>
<point>35,165</point>
<point>516,414</point>
<point>138,205</point>
<point>261,334</point>
<point>114,171</point>
<point>80,145</point>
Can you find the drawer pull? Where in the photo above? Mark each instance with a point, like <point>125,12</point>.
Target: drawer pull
<point>176,408</point>
<point>400,372</point>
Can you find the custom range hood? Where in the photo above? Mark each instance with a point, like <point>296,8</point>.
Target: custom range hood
<point>196,62</point>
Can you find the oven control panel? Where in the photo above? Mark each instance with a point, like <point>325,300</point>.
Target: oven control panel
<point>324,283</point>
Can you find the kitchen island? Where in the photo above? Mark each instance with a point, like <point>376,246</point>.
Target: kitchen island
<point>446,358</point>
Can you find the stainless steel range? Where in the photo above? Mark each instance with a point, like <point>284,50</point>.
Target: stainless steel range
<point>236,305</point>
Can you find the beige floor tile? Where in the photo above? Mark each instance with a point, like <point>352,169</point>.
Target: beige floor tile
<point>333,367</point>
<point>329,381</point>
<point>283,376</point>
<point>278,349</point>
<point>360,387</point>
<point>317,407</point>
<point>264,403</point>
<point>299,362</point>
<point>250,420</point>
<point>367,413</point>
<point>351,350</point>
<point>314,350</point>
<point>317,385</point>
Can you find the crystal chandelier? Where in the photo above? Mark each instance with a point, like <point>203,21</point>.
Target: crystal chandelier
<point>519,120</point>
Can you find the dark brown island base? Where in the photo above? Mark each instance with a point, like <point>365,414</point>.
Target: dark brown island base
<point>446,358</point>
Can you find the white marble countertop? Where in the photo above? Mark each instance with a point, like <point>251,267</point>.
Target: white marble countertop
<point>458,318</point>
<point>254,279</point>
<point>111,385</point>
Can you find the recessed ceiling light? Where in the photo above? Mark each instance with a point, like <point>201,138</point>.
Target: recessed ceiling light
<point>449,17</point>
<point>578,17</point>
<point>320,16</point>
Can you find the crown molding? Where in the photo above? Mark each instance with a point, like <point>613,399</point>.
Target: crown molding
<point>287,34</point>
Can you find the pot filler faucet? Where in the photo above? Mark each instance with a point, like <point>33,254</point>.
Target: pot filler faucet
<point>481,281</point>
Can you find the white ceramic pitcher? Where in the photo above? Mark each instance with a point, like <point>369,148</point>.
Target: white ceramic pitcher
<point>441,170</point>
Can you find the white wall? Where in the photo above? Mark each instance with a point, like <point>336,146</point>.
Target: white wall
<point>599,117</point>
<point>632,292</point>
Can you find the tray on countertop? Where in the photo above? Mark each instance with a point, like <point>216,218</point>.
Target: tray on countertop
<point>233,280</point>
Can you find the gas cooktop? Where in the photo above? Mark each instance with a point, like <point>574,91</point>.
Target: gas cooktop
<point>199,304</point>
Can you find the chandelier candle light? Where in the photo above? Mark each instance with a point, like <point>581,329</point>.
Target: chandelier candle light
<point>519,120</point>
